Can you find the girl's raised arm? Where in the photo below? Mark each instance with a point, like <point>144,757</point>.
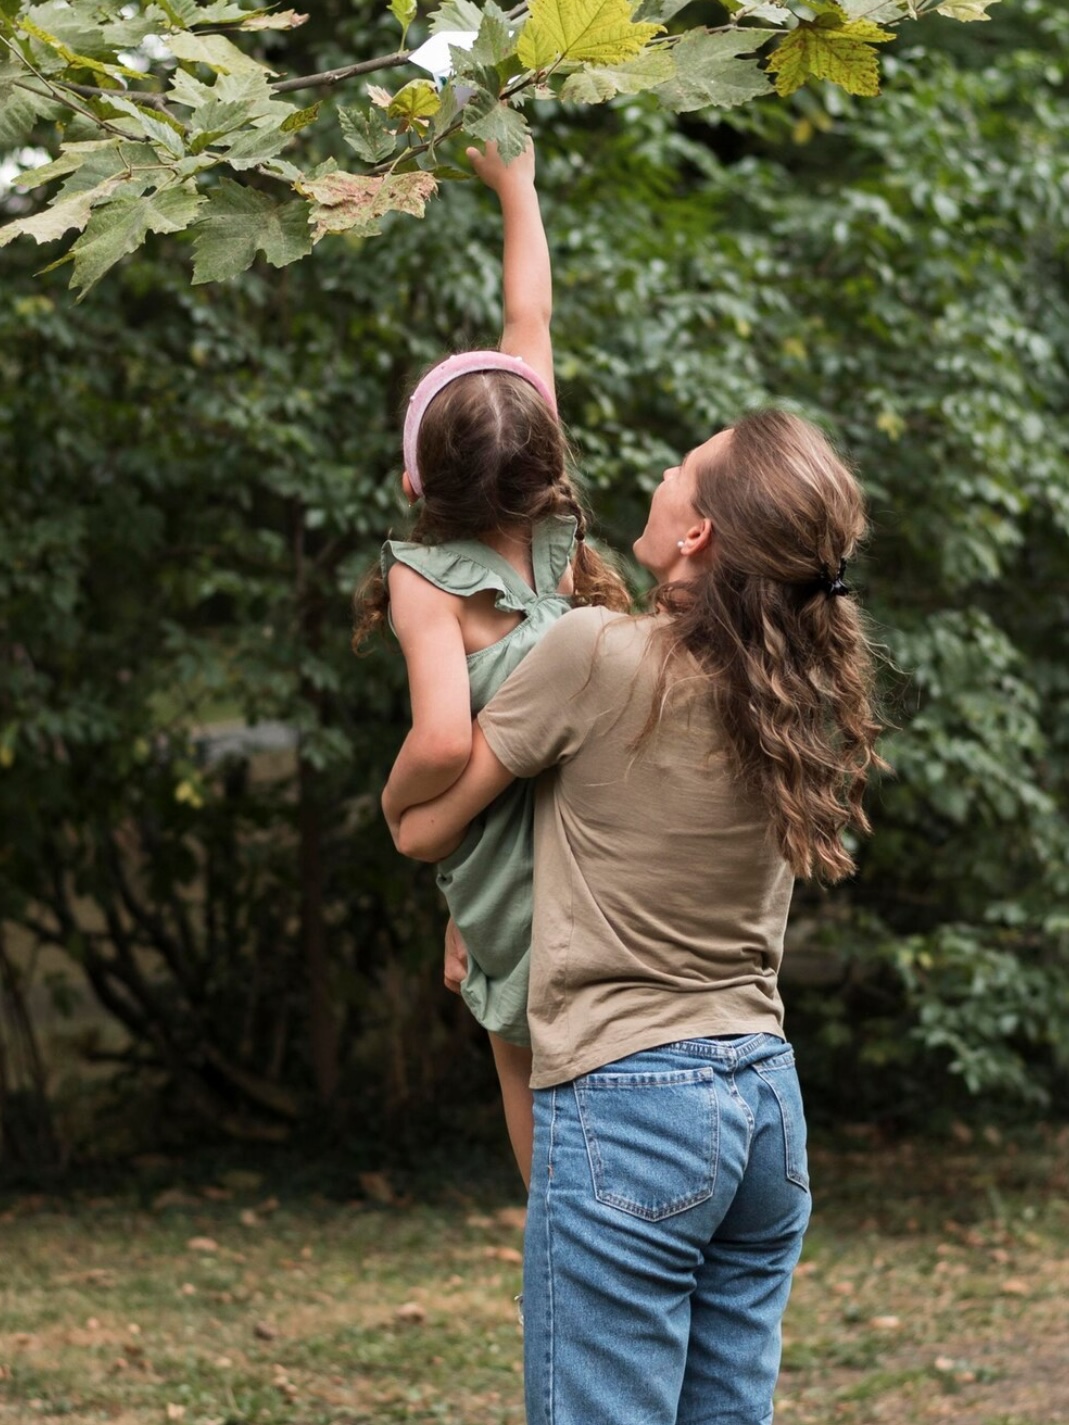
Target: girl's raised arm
<point>527,279</point>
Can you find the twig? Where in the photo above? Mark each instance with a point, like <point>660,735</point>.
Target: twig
<point>330,77</point>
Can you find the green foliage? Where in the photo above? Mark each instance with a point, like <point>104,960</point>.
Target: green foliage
<point>186,100</point>
<point>198,479</point>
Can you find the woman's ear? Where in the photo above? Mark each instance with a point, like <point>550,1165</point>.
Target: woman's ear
<point>698,538</point>
<point>409,489</point>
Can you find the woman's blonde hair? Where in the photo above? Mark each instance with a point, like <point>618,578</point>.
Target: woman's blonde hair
<point>789,666</point>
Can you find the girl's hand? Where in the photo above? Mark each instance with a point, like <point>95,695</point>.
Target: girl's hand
<point>497,174</point>
<point>455,967</point>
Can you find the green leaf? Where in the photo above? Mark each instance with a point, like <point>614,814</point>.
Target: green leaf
<point>347,202</point>
<point>599,31</point>
<point>300,119</point>
<point>252,147</point>
<point>131,162</point>
<point>216,51</point>
<point>659,11</point>
<point>494,43</point>
<point>166,133</point>
<point>368,135</point>
<point>249,90</point>
<point>22,106</point>
<point>75,26</point>
<point>71,158</point>
<point>501,125</point>
<point>594,84</point>
<point>416,101</point>
<point>70,58</point>
<point>457,15</point>
<point>404,12</point>
<point>237,223</point>
<point>710,72</point>
<point>119,226</point>
<point>59,217</point>
<point>830,47</point>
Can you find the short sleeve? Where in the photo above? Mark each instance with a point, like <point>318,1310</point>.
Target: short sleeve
<point>545,709</point>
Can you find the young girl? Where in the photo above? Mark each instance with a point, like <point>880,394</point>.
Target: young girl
<point>496,557</point>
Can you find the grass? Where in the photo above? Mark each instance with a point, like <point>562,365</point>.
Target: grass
<point>933,1288</point>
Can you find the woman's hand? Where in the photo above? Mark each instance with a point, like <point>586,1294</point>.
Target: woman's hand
<point>435,829</point>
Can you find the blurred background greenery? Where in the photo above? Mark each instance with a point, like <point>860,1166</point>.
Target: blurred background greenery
<point>206,934</point>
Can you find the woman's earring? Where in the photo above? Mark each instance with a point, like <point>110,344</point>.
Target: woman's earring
<point>680,543</point>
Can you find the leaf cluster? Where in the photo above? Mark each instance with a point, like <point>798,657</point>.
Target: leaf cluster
<point>170,117</point>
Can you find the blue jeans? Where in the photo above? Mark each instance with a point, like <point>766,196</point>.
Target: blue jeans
<point>669,1197</point>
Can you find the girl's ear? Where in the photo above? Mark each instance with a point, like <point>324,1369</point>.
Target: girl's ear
<point>409,489</point>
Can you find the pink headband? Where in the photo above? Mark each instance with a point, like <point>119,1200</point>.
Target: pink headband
<point>445,372</point>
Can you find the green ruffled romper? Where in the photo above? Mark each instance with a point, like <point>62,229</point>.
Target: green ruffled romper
<point>487,881</point>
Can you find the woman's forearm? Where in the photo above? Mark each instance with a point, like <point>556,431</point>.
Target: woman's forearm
<point>434,829</point>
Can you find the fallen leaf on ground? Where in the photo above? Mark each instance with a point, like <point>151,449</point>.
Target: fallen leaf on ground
<point>202,1244</point>
<point>504,1254</point>
<point>512,1217</point>
<point>411,1313</point>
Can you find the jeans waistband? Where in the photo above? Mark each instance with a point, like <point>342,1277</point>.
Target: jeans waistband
<point>730,1049</point>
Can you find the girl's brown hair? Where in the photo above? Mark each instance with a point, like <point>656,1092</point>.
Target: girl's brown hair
<point>789,666</point>
<point>492,455</point>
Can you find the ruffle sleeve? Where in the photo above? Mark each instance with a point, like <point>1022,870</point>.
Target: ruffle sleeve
<point>451,571</point>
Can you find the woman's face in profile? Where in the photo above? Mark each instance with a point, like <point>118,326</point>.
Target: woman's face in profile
<point>674,513</point>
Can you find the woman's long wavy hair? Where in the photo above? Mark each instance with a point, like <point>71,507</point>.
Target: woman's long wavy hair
<point>492,456</point>
<point>788,663</point>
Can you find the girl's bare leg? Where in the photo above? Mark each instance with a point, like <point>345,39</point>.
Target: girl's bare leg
<point>514,1074</point>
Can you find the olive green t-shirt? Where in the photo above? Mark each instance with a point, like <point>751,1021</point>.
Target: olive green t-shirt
<point>660,899</point>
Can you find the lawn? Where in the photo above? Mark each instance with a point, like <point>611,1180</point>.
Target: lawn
<point>934,1287</point>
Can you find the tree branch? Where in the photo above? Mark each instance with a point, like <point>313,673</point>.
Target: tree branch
<point>329,77</point>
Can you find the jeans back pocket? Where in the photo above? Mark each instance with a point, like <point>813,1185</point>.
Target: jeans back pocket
<point>651,1139</point>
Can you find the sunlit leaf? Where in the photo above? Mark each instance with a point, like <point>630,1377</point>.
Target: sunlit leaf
<point>60,217</point>
<point>965,9</point>
<point>216,51</point>
<point>404,12</point>
<point>417,100</point>
<point>599,31</point>
<point>830,47</point>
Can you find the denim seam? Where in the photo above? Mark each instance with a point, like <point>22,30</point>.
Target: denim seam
<point>794,1172</point>
<point>550,1402</point>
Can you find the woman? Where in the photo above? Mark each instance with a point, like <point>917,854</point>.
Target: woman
<point>695,760</point>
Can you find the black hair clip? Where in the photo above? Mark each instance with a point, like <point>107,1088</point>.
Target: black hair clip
<point>834,588</point>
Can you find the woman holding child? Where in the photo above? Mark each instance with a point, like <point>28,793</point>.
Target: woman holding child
<point>691,762</point>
